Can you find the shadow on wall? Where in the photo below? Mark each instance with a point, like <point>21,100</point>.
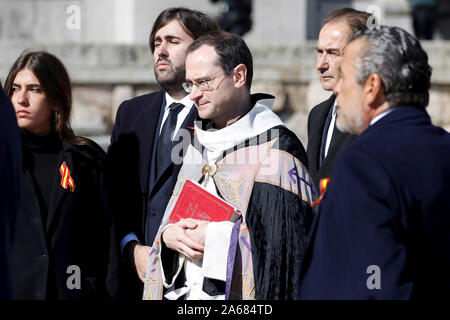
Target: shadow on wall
<point>317,11</point>
<point>443,19</point>
<point>430,19</point>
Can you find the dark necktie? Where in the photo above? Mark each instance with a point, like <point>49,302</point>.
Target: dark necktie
<point>325,134</point>
<point>165,138</point>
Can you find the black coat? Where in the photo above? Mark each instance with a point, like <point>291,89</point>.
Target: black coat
<point>78,238</point>
<point>316,123</point>
<point>10,173</point>
<point>385,217</point>
<point>138,197</point>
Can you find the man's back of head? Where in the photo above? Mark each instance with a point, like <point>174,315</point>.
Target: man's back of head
<point>382,68</point>
<point>401,62</point>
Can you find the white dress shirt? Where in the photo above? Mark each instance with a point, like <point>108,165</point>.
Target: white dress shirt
<point>188,104</point>
<point>330,129</point>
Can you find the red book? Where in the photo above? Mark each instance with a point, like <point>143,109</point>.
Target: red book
<point>195,202</point>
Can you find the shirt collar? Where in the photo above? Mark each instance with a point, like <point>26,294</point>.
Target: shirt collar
<point>185,101</point>
<point>381,115</point>
<point>334,107</point>
<point>257,121</point>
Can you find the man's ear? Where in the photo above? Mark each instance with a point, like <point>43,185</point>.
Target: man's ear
<point>373,91</point>
<point>240,75</point>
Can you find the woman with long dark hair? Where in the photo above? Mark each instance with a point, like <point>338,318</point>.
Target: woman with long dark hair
<point>63,245</point>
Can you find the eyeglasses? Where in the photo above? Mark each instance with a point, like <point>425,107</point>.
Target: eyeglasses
<point>202,85</point>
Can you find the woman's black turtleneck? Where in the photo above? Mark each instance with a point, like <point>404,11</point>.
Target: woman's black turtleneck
<point>41,155</point>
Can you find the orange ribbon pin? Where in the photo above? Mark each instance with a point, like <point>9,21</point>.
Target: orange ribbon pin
<point>66,179</point>
<point>193,129</point>
<point>323,187</point>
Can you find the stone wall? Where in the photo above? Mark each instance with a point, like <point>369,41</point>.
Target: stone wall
<point>109,60</point>
<point>104,76</point>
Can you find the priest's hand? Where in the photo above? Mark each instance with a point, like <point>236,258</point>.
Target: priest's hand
<point>198,234</point>
<point>141,257</point>
<point>176,238</point>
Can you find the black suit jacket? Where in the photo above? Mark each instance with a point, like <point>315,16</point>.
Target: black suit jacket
<point>78,233</point>
<point>138,196</point>
<point>10,173</point>
<point>386,216</point>
<point>316,123</point>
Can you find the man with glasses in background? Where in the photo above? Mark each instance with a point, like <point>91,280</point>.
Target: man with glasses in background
<point>242,153</point>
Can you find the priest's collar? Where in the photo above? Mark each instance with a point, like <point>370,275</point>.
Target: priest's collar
<point>263,98</point>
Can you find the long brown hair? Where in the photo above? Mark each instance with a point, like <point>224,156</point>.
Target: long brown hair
<point>56,84</point>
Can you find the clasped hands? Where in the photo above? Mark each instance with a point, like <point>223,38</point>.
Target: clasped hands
<point>187,236</point>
